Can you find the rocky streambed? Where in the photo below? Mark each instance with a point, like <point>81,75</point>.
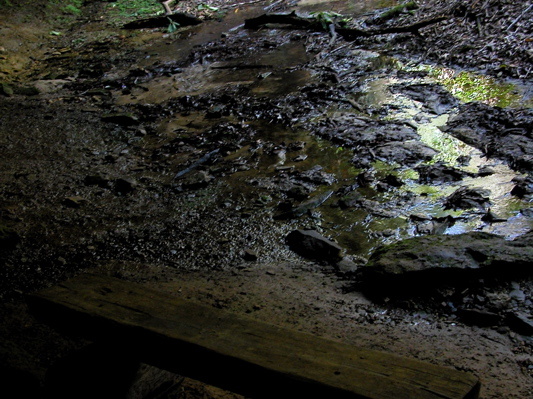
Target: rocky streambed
<point>332,186</point>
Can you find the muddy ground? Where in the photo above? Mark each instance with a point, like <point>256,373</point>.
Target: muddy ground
<point>181,157</point>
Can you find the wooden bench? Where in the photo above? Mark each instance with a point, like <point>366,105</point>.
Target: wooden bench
<point>242,355</point>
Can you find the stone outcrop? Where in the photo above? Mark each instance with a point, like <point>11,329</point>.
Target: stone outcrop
<point>423,263</point>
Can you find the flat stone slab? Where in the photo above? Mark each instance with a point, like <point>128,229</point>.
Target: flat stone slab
<point>246,356</point>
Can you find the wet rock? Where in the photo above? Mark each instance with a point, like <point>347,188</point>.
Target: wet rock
<point>528,212</point>
<point>305,207</point>
<point>485,171</point>
<point>434,98</point>
<point>356,199</point>
<point>296,146</point>
<point>422,263</point>
<point>518,295</point>
<point>196,180</point>
<point>366,178</point>
<point>97,180</point>
<point>520,323</point>
<point>123,119</point>
<point>300,158</point>
<point>467,198</point>
<point>347,265</point>
<point>316,175</point>
<point>491,217</point>
<point>432,225</point>
<point>74,201</point>
<point>298,191</point>
<point>250,255</point>
<point>481,318</point>
<point>312,245</point>
<point>372,139</point>
<point>393,180</point>
<point>51,85</point>
<point>407,153</point>
<point>125,185</point>
<point>463,160</point>
<point>523,187</point>
<point>439,172</point>
<point>503,133</point>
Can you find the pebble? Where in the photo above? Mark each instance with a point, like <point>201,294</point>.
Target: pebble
<point>250,255</point>
<point>518,295</point>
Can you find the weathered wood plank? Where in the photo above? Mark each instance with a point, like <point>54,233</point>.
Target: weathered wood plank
<point>230,351</point>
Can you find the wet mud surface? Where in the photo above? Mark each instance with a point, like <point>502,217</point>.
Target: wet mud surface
<point>183,161</point>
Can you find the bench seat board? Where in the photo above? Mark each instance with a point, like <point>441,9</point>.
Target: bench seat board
<point>243,355</point>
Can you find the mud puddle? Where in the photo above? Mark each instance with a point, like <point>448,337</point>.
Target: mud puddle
<point>271,74</point>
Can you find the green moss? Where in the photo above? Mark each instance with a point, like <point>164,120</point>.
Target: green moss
<point>449,148</point>
<point>468,87</point>
<point>397,10</point>
<point>6,90</point>
<point>134,8</point>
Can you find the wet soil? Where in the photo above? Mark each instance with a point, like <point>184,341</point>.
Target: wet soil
<point>181,160</point>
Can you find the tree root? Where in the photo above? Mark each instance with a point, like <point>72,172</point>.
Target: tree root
<point>296,22</point>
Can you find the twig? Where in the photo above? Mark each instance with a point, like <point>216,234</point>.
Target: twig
<point>520,17</point>
<point>199,162</point>
<point>333,34</point>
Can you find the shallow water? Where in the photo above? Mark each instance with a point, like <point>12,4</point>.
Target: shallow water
<point>284,70</point>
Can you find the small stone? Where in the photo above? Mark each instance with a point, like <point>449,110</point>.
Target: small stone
<point>311,244</point>
<point>124,119</point>
<point>520,323</point>
<point>479,317</point>
<point>528,212</point>
<point>518,295</point>
<point>250,255</point>
<point>300,158</point>
<point>466,198</point>
<point>346,265</point>
<point>74,201</point>
<point>486,171</point>
<point>394,181</point>
<point>125,186</point>
<point>96,180</point>
<point>491,217</point>
<point>6,90</point>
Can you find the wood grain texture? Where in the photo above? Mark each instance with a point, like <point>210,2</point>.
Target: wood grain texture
<point>233,352</point>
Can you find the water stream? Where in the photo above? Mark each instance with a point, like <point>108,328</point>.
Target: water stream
<point>282,71</point>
